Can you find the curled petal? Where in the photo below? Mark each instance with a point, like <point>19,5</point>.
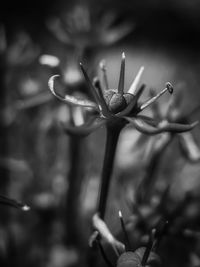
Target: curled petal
<point>146,128</point>
<point>83,130</point>
<point>189,147</point>
<point>13,203</point>
<point>70,99</point>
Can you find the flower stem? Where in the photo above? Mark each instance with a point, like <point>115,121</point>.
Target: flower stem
<point>111,144</point>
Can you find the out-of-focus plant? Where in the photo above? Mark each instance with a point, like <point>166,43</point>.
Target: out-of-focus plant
<point>143,255</point>
<point>82,33</point>
<point>116,109</point>
<point>80,29</point>
<point>156,147</point>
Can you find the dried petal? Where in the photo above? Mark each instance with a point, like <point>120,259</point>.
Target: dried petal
<point>70,99</point>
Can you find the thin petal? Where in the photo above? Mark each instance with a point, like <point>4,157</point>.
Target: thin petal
<point>34,101</point>
<point>168,88</point>
<point>83,130</point>
<point>155,107</point>
<point>134,85</point>
<point>13,203</point>
<point>91,87</point>
<point>105,110</point>
<point>122,74</point>
<point>111,36</point>
<point>56,27</point>
<point>70,99</point>
<point>189,146</point>
<point>146,128</point>
<point>102,65</point>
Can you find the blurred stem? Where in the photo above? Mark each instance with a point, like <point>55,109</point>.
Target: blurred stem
<point>147,184</point>
<point>75,178</point>
<point>112,137</point>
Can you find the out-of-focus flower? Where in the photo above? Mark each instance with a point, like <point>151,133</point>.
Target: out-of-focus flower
<point>20,52</point>
<point>175,114</point>
<point>77,28</point>
<point>115,107</point>
<point>143,256</point>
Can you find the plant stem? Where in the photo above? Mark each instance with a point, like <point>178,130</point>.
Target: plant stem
<point>113,132</point>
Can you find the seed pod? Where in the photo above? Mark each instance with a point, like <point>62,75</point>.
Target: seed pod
<point>117,102</point>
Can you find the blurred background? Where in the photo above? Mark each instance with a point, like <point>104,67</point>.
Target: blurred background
<point>58,175</point>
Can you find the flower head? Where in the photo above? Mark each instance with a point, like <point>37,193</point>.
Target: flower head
<point>115,106</point>
<point>78,29</point>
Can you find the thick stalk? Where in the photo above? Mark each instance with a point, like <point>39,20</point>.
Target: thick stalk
<point>111,144</point>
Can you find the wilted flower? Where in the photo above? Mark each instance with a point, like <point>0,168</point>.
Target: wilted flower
<point>114,106</point>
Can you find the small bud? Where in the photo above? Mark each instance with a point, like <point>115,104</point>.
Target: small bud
<point>117,103</point>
